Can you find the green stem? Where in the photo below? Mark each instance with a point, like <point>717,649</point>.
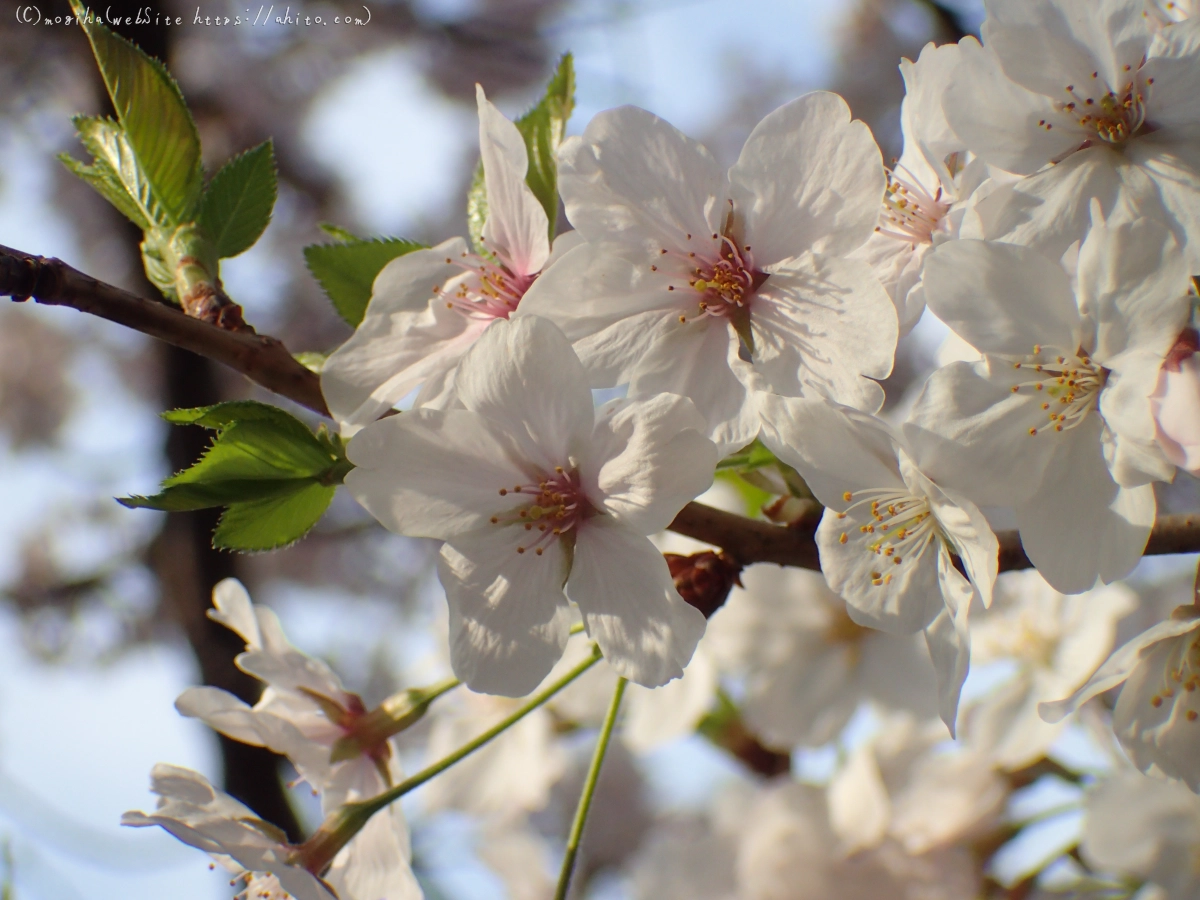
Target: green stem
<point>589,788</point>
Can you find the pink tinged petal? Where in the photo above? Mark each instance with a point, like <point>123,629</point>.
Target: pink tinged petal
<point>809,179</point>
<point>221,711</point>
<point>524,376</point>
<point>292,671</point>
<point>647,458</point>
<point>1176,407</point>
<point>1128,408</point>
<point>233,609</point>
<point>1052,209</point>
<point>634,178</point>
<point>1174,98</point>
<point>629,603</point>
<point>1080,525</point>
<point>434,473</point>
<point>516,229</point>
<point>824,327</point>
<point>1118,667</point>
<point>1046,46</point>
<point>835,449</point>
<point>1157,716</point>
<point>998,119</point>
<point>1133,280</point>
<point>1001,298</point>
<point>509,620</point>
<point>406,337</point>
<point>949,639</point>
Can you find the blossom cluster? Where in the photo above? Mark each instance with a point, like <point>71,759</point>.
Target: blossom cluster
<point>1045,208</point>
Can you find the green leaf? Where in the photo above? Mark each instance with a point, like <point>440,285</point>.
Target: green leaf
<point>115,172</point>
<point>237,203</point>
<point>273,475</point>
<point>338,233</point>
<point>543,128</point>
<point>272,522</point>
<point>153,117</point>
<point>347,271</point>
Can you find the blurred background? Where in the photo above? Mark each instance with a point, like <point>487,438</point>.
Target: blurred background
<point>102,611</point>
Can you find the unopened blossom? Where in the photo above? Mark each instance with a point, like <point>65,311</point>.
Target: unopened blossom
<point>1055,421</point>
<point>306,715</point>
<point>889,536</point>
<point>427,307</point>
<point>807,665</point>
<point>902,784</point>
<point>924,202</point>
<point>1056,643</point>
<point>724,286</point>
<point>1091,102</point>
<point>540,497</point>
<point>1157,716</point>
<point>1176,402</point>
<point>789,851</point>
<point>1147,829</point>
<point>265,865</point>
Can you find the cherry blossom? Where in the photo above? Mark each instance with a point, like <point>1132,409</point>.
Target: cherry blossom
<point>1176,403</point>
<point>1157,716</point>
<point>307,715</point>
<point>1055,420</point>
<point>1088,87</point>
<point>536,493</point>
<point>890,535</point>
<point>267,867</point>
<point>721,287</point>
<point>927,187</point>
<point>427,307</point>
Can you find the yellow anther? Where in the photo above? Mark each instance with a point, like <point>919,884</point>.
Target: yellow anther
<point>843,538</point>
<point>847,496</point>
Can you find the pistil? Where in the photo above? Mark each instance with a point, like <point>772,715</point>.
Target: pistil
<point>1070,386</point>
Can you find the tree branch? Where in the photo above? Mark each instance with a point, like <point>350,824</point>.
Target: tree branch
<point>267,362</point>
<point>264,360</point>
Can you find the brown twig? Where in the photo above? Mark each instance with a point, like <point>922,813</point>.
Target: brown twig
<point>267,362</point>
<point>262,359</point>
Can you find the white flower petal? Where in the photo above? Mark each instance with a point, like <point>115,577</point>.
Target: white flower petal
<point>922,119</point>
<point>221,711</point>
<point>406,337</point>
<point>949,639</point>
<point>629,603</point>
<point>433,473</point>
<point>656,716</point>
<point>509,620</point>
<point>1173,167</point>
<point>647,459</point>
<point>859,807</point>
<point>633,177</point>
<point>233,609</point>
<point>1080,525</point>
<point>1175,100</point>
<point>523,373</point>
<point>1001,298</point>
<point>809,179</point>
<point>517,228</point>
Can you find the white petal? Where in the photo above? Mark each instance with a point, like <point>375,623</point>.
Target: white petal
<point>524,374</point>
<point>1080,525</point>
<point>434,473</point>
<point>634,178</point>
<point>1126,406</point>
<point>655,717</point>
<point>824,326</point>
<point>1001,298</point>
<point>998,119</point>
<point>406,337</point>
<point>1173,167</point>
<point>1174,101</point>
<point>922,120</point>
<point>233,609</point>
<point>509,619</point>
<point>966,527</point>
<point>629,603</point>
<point>835,449</point>
<point>647,459</point>
<point>221,711</point>
<point>949,639</point>
<point>375,863</point>
<point>516,228</point>
<point>1117,667</point>
<point>808,179</point>
<point>859,808</point>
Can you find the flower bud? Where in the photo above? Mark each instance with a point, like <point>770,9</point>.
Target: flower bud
<point>1176,403</point>
<point>704,580</point>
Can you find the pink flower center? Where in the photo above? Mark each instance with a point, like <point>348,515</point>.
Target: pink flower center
<point>556,506</point>
<point>491,290</point>
<point>1113,117</point>
<point>910,213</point>
<point>1070,387</point>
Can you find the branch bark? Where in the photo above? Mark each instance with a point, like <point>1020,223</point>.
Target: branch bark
<point>267,362</point>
